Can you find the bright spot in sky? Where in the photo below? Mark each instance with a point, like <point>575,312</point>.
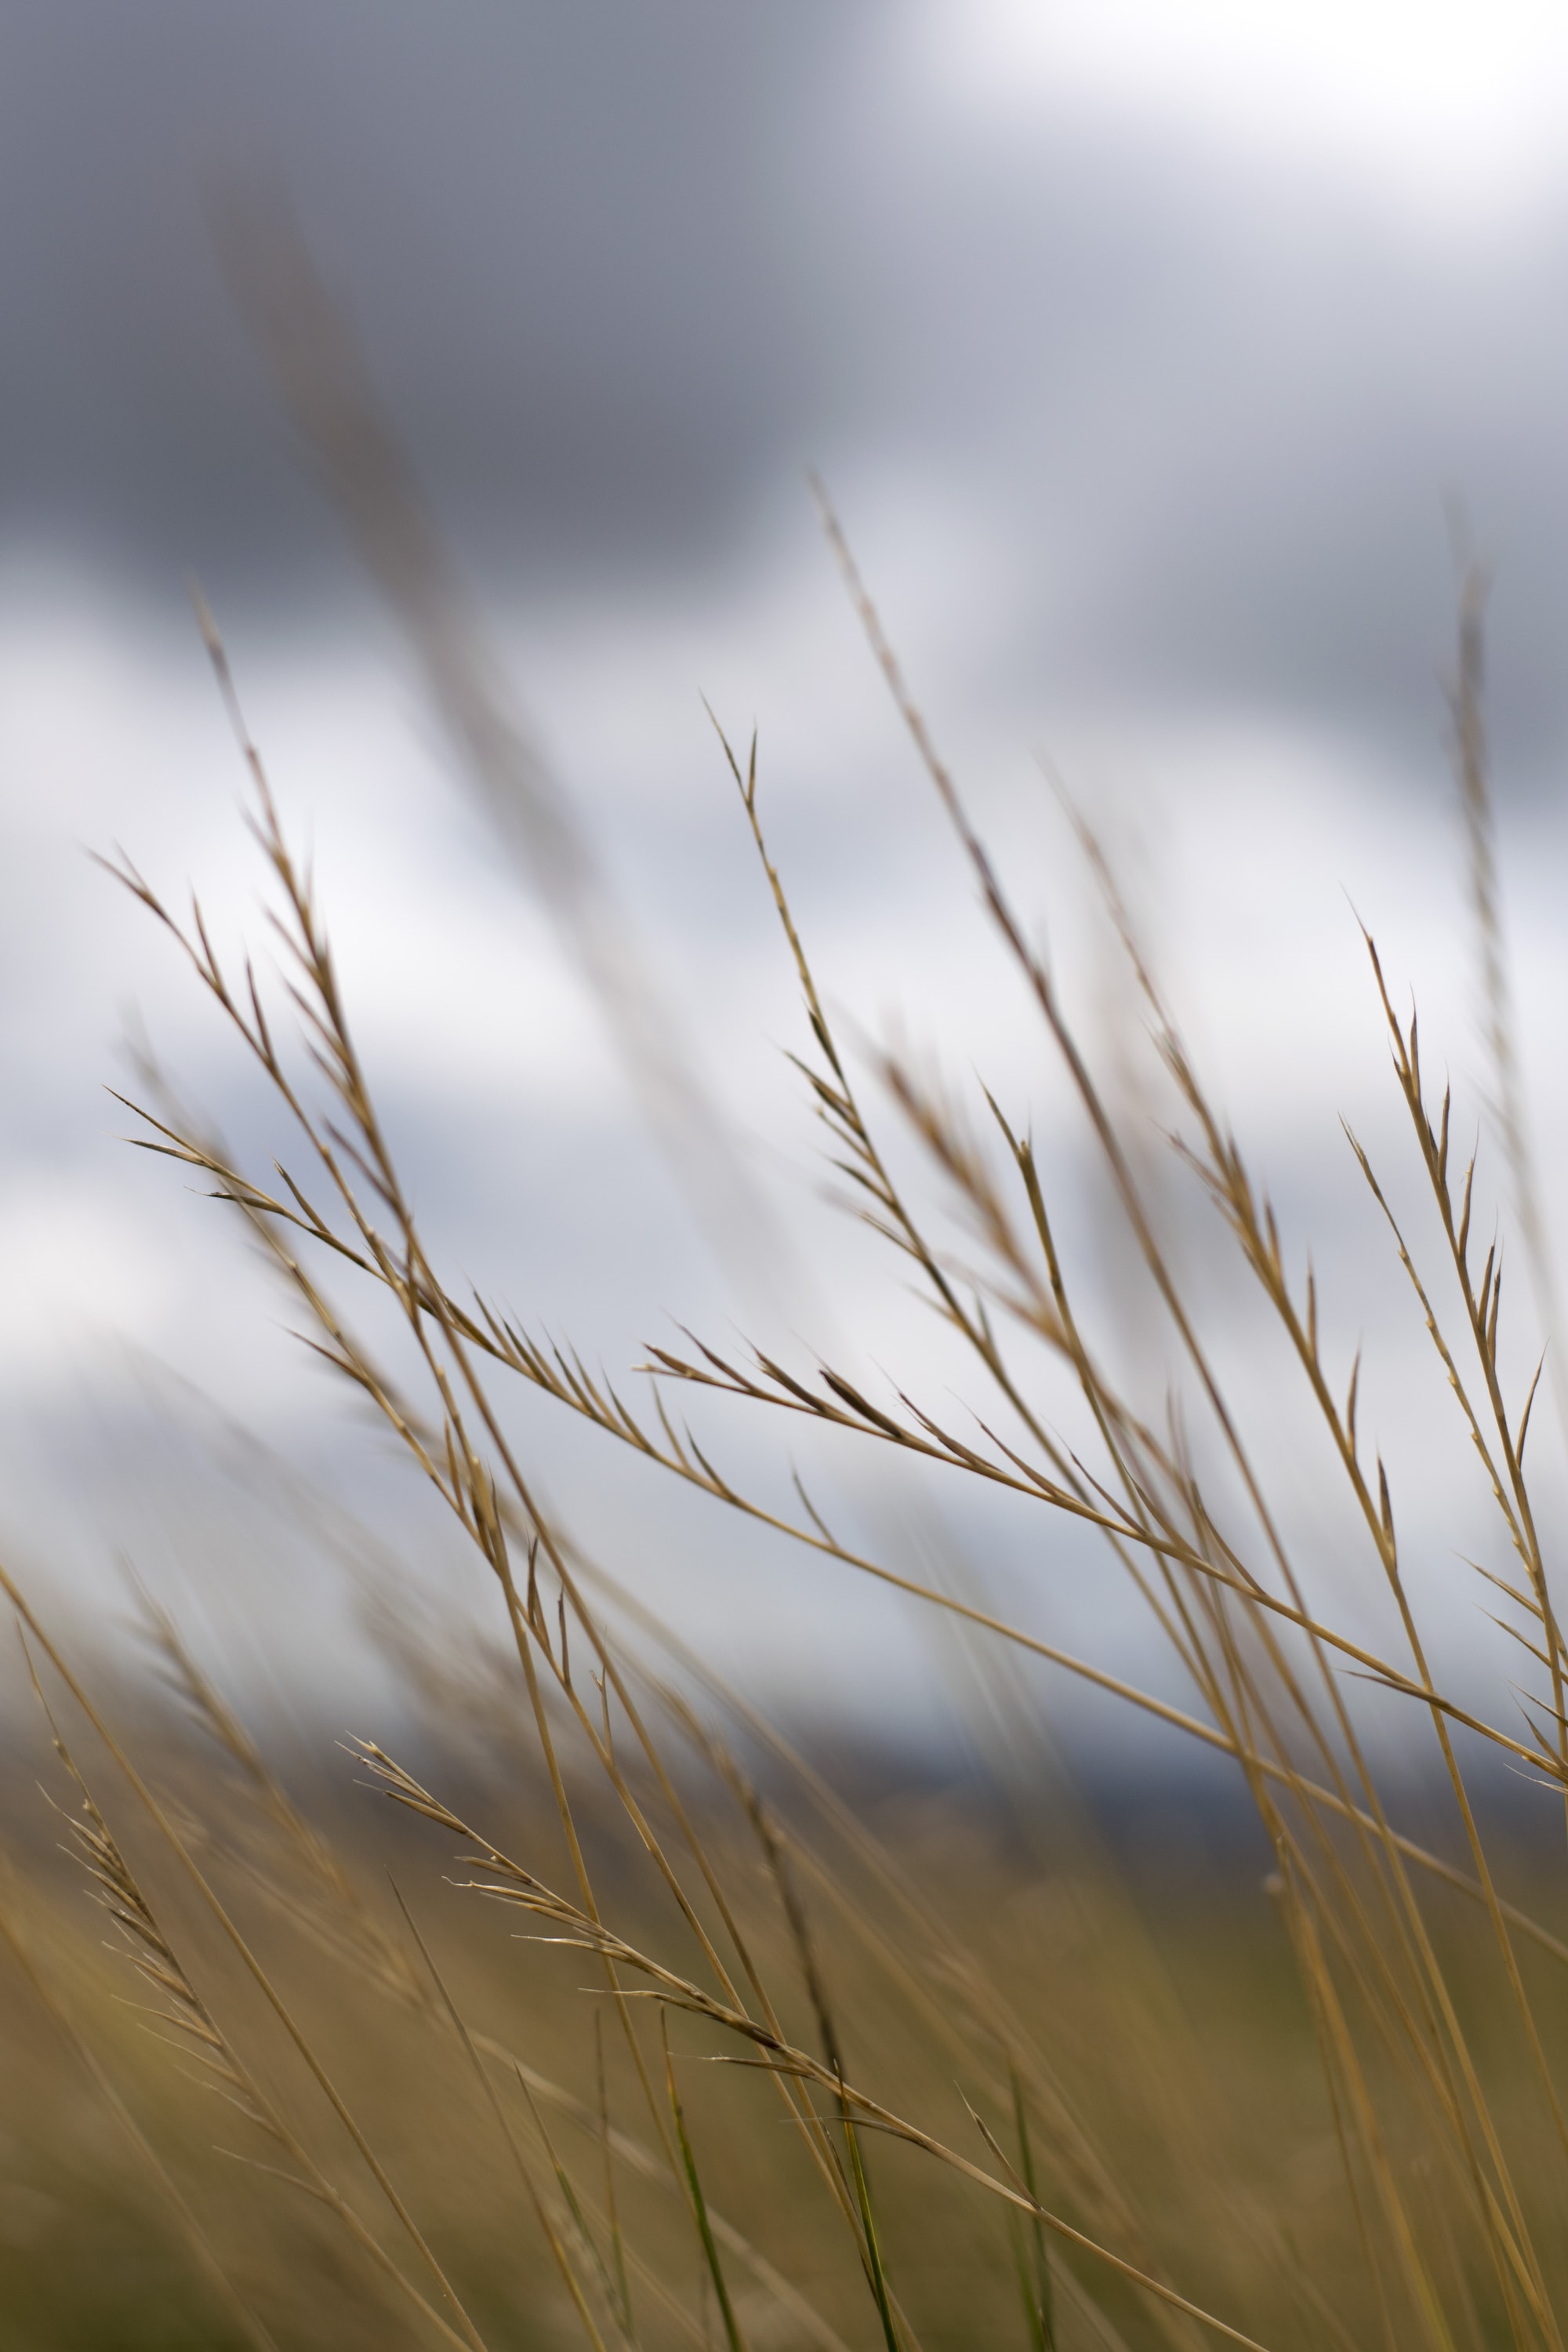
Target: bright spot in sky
<point>1458,107</point>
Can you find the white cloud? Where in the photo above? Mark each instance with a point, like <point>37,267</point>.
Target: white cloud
<point>1455,107</point>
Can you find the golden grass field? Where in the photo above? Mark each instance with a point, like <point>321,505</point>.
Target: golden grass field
<point>618,2017</point>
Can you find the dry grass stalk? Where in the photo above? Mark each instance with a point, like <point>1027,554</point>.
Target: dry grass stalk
<point>1455,2207</point>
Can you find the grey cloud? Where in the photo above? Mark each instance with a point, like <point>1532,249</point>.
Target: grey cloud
<point>552,222</point>
<point>623,272</point>
<point>1226,408</point>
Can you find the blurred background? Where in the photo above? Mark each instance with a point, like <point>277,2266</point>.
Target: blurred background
<point>1147,352</point>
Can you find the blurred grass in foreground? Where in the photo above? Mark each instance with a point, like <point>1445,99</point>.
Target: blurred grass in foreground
<point>1148,1995</point>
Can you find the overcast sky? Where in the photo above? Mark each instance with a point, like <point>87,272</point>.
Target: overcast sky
<point>1144,348</point>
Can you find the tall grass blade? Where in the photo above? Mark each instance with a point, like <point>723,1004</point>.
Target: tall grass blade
<point>733,2336</point>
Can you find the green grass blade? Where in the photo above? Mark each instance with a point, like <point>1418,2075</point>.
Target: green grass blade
<point>736,2341</point>
<point>1033,2275</point>
<point>874,2265</point>
<point>618,2245</point>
